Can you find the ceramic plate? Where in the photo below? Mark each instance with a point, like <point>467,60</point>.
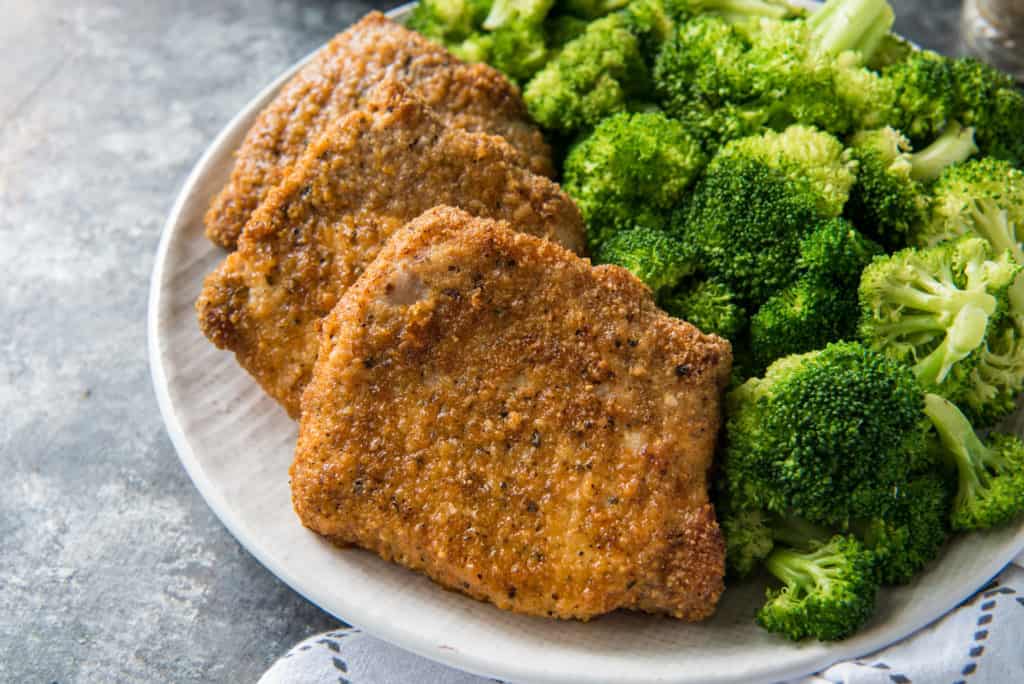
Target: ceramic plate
<point>236,444</point>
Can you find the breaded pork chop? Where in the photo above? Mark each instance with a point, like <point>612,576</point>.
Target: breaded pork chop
<point>493,411</point>
<point>338,80</point>
<point>317,231</point>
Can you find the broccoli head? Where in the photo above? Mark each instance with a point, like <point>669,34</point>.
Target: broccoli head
<point>990,474</point>
<point>821,306</point>
<point>631,170</point>
<point>823,435</point>
<point>653,256</point>
<point>910,530</point>
<point>748,213</point>
<point>748,539</point>
<point>932,308</point>
<point>890,197</point>
<point>828,592</point>
<point>985,198</point>
<point>709,305</point>
<point>925,95</point>
<point>804,155</point>
<point>989,101</point>
<point>449,21</point>
<point>594,76</point>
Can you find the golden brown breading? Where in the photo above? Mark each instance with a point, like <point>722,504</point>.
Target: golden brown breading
<point>372,172</point>
<point>338,80</point>
<point>493,411</point>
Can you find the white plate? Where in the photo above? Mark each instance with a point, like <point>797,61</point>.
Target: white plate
<point>236,444</point>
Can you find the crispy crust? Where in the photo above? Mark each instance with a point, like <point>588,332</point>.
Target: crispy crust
<point>337,81</point>
<point>369,174</point>
<point>491,410</point>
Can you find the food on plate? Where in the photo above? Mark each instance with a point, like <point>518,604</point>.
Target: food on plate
<point>523,427</point>
<point>488,408</point>
<point>945,311</point>
<point>317,231</point>
<point>338,80</point>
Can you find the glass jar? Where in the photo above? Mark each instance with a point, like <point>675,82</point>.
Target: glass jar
<point>993,30</point>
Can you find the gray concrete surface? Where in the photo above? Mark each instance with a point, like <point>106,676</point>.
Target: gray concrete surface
<point>112,568</point>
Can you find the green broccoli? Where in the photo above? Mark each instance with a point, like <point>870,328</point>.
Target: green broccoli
<point>804,155</point>
<point>983,197</point>
<point>748,538</point>
<point>709,305</point>
<point>990,475</point>
<point>508,34</point>
<point>821,306</point>
<point>910,530</point>
<point>932,308</point>
<point>633,169</point>
<point>653,256</point>
<point>823,435</point>
<point>890,196</point>
<point>594,76</point>
<point>449,21</point>
<point>828,590</point>
<point>770,73</point>
<point>925,96</point>
<point>757,201</point>
<point>989,100</point>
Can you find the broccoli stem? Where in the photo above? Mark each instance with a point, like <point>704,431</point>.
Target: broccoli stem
<point>801,570</point>
<point>858,25</point>
<point>954,145</point>
<point>963,337</point>
<point>931,294</point>
<point>974,462</point>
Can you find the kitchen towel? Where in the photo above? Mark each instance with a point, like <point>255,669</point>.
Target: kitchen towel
<point>979,642</point>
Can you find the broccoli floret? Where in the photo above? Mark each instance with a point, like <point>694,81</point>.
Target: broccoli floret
<point>594,76</point>
<point>890,196</point>
<point>823,435</point>
<point>631,170</point>
<point>925,96</point>
<point>837,251</point>
<point>983,197</point>
<point>821,306</point>
<point>828,591</point>
<point>990,474</point>
<point>988,100</point>
<point>748,539</point>
<point>449,21</point>
<point>508,34</point>
<point>931,308</point>
<point>772,73</point>
<point>653,256</point>
<point>911,529</point>
<point>709,305</point>
<point>997,378</point>
<point>754,204</point>
<point>804,155</point>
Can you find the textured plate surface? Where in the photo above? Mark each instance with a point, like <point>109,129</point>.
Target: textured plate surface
<point>237,445</point>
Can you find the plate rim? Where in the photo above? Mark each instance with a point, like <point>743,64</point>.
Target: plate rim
<point>392,631</point>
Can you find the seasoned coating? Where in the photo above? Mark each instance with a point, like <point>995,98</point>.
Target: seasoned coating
<point>493,411</point>
<point>338,80</point>
<point>372,172</point>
